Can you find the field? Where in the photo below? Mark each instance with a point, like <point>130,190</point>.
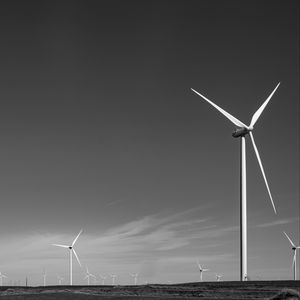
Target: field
<point>206,290</point>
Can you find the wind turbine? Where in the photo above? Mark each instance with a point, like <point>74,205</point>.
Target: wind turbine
<point>218,277</point>
<point>72,250</point>
<point>135,276</point>
<point>294,248</point>
<point>88,275</point>
<point>241,132</point>
<point>60,279</point>
<point>44,277</point>
<point>113,278</point>
<point>201,271</point>
<point>1,278</point>
<point>103,278</point>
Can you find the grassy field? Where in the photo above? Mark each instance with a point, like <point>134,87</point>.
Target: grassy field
<point>206,290</point>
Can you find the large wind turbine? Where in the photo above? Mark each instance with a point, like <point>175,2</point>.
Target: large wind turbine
<point>201,270</point>
<point>241,132</point>
<point>294,248</point>
<point>1,278</point>
<point>72,250</point>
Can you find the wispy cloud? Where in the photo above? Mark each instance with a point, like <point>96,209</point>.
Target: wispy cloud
<point>156,233</point>
<point>114,202</point>
<point>276,223</point>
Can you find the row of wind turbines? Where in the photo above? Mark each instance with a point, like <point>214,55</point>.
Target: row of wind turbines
<point>241,132</point>
<point>88,275</point>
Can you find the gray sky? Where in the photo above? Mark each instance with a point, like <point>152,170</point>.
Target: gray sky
<point>100,131</point>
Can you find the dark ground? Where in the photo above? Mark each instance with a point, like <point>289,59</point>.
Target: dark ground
<point>206,290</point>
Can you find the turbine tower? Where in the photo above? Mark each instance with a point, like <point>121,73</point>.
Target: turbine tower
<point>1,278</point>
<point>201,270</point>
<point>241,132</point>
<point>71,250</point>
<point>294,248</point>
<point>88,276</point>
<point>113,278</point>
<point>135,277</point>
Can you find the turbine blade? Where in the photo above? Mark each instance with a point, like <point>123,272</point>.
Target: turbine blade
<point>260,110</point>
<point>290,240</point>
<point>76,238</point>
<point>58,245</point>
<point>76,256</point>
<point>262,170</point>
<point>225,113</point>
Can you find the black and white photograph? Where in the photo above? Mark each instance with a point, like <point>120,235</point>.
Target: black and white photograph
<point>149,149</point>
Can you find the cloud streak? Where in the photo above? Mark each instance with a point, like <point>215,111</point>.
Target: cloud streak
<point>276,223</point>
<point>155,234</point>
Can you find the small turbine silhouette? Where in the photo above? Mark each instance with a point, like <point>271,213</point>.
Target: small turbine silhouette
<point>294,248</point>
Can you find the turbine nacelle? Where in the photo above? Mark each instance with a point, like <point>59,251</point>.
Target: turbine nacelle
<point>241,132</point>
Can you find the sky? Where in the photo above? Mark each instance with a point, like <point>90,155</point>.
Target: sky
<point>100,131</point>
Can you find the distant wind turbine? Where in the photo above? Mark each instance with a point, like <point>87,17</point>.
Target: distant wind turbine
<point>1,278</point>
<point>72,250</point>
<point>113,278</point>
<point>218,277</point>
<point>88,276</point>
<point>135,277</point>
<point>102,278</point>
<point>241,132</point>
<point>44,277</point>
<point>201,270</point>
<point>60,279</point>
<point>294,248</point>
